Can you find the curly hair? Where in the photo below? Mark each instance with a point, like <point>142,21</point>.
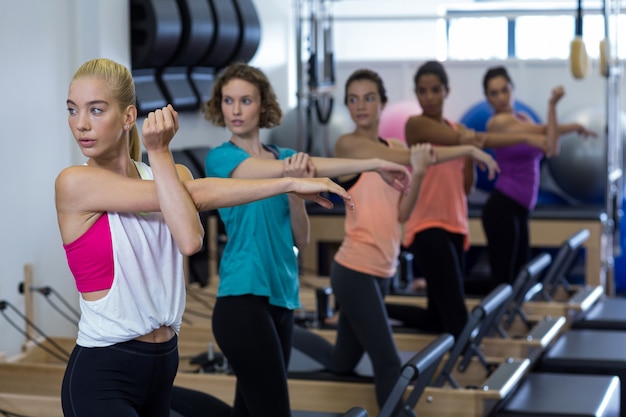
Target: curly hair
<point>213,108</point>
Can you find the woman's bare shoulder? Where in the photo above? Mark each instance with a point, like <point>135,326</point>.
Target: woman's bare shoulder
<point>396,143</point>
<point>501,122</point>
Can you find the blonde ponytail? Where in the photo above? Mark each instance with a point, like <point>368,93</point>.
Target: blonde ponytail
<point>134,143</point>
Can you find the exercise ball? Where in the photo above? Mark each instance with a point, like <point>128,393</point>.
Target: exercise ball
<point>395,116</point>
<point>476,118</point>
<point>620,259</point>
<point>550,198</point>
<point>324,136</point>
<point>477,115</point>
<point>580,169</point>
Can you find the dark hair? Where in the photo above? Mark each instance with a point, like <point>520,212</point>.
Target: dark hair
<point>213,108</point>
<point>495,72</point>
<point>434,68</point>
<point>366,75</point>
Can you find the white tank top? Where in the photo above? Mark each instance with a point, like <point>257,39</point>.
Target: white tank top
<point>148,289</point>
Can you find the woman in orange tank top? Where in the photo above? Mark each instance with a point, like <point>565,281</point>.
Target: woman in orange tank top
<point>437,230</point>
<point>366,261</point>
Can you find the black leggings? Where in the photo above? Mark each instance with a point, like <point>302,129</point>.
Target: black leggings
<point>193,403</point>
<point>255,337</point>
<point>127,379</point>
<point>505,223</point>
<point>363,327</point>
<point>440,257</point>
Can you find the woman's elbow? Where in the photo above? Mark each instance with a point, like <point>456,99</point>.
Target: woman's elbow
<point>192,243</point>
<point>190,247</point>
<point>302,240</point>
<point>551,154</point>
<point>302,244</point>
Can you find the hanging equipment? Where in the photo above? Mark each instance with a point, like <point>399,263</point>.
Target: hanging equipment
<point>579,61</point>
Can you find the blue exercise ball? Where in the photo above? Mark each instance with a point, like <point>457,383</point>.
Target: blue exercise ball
<point>476,118</point>
<point>550,198</point>
<point>619,264</point>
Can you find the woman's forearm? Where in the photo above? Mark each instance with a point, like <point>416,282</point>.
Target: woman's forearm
<point>213,193</point>
<point>469,180</point>
<point>472,154</point>
<point>420,129</point>
<point>175,203</point>
<point>567,128</point>
<point>552,132</point>
<point>408,201</point>
<point>498,140</point>
<point>300,225</point>
<point>336,167</point>
<point>354,146</point>
<point>447,153</point>
<point>324,167</point>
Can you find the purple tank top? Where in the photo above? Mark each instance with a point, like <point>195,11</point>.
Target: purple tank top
<point>519,173</point>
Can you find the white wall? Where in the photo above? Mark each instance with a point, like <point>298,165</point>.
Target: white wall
<point>37,59</point>
<point>42,42</point>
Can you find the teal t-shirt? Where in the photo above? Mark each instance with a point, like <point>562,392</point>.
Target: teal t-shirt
<point>258,258</point>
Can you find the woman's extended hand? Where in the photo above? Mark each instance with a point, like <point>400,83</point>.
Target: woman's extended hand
<point>298,165</point>
<point>395,175</point>
<point>470,137</point>
<point>422,156</point>
<point>556,95</point>
<point>486,162</point>
<point>583,131</point>
<point>159,128</point>
<point>310,189</point>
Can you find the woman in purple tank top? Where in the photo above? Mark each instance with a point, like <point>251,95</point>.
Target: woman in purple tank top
<point>506,213</point>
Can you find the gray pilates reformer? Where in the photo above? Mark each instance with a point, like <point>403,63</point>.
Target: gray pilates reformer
<point>606,313</point>
<point>596,395</point>
<point>538,333</point>
<point>501,321</point>
<point>416,373</point>
<point>192,403</point>
<point>467,344</point>
<point>578,375</point>
<point>563,395</point>
<point>353,412</point>
<point>595,310</point>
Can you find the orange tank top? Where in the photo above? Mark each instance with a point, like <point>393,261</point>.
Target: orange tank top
<point>442,202</point>
<point>372,232</point>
